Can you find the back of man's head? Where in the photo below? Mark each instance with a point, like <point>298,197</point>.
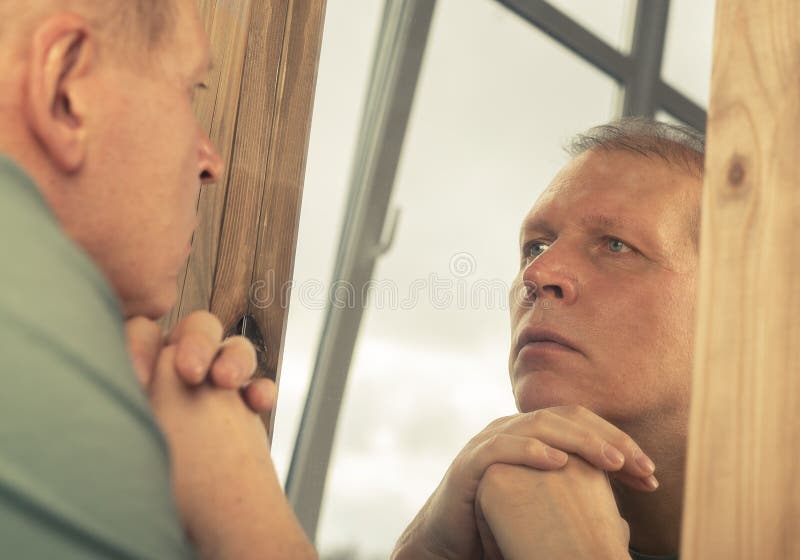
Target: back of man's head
<point>96,106</point>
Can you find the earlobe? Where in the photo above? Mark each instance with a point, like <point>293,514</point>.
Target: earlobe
<point>60,57</point>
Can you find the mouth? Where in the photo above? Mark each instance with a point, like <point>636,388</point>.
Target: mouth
<point>543,339</point>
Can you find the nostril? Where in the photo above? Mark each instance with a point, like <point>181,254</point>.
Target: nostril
<point>558,293</point>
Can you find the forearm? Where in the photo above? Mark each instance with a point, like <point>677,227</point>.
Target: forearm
<point>252,521</point>
<point>412,544</point>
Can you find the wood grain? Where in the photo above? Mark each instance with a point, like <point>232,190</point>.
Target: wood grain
<point>280,205</point>
<point>217,108</point>
<point>258,113</point>
<point>742,496</point>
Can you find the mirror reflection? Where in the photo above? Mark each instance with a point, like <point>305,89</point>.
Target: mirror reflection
<point>425,364</point>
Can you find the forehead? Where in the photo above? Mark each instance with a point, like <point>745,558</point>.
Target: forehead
<point>617,188</point>
<point>189,45</point>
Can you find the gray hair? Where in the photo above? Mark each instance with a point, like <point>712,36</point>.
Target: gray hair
<point>676,144</point>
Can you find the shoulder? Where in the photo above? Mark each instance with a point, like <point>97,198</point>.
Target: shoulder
<point>81,453</point>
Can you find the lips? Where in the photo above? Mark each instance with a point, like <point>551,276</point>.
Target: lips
<point>539,334</point>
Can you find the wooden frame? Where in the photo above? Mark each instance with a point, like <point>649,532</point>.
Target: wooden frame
<point>258,113</point>
<point>742,497</point>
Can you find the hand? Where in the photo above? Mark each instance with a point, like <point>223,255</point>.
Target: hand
<point>523,514</point>
<point>228,494</point>
<point>445,528</point>
<point>201,356</point>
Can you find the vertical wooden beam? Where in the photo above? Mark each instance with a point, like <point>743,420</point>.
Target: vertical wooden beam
<point>227,24</point>
<point>259,116</point>
<point>743,492</point>
<point>280,205</point>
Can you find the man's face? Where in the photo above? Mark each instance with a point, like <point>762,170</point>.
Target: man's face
<point>134,209</point>
<point>609,249</point>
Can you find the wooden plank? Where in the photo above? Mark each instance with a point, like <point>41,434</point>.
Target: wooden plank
<point>227,24</point>
<point>249,170</point>
<point>280,208</point>
<point>742,496</point>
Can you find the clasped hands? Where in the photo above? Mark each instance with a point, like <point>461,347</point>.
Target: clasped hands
<point>200,389</point>
<point>532,486</point>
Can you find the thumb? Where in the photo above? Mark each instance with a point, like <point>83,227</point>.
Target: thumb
<point>144,345</point>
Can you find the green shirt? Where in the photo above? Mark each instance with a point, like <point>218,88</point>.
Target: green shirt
<point>84,470</point>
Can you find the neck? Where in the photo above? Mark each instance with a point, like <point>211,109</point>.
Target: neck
<point>654,518</point>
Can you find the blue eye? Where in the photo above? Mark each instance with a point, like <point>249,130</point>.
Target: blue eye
<point>536,248</point>
<point>617,246</point>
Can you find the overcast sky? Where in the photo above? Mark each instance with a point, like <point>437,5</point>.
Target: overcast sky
<point>496,101</point>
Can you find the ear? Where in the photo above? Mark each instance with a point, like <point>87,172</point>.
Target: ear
<point>61,56</point>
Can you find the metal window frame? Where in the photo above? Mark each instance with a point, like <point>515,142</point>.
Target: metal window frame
<point>639,73</point>
<point>395,72</point>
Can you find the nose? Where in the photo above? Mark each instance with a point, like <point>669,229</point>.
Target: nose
<point>211,164</point>
<point>551,276</point>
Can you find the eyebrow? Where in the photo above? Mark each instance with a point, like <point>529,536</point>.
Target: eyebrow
<point>602,221</point>
<point>536,224</point>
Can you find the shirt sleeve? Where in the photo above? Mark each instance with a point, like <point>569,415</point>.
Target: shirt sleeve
<point>84,469</point>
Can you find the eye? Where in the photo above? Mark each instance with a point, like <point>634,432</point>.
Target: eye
<point>193,90</point>
<point>617,246</point>
<point>533,249</point>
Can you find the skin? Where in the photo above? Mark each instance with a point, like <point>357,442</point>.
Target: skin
<point>119,157</point>
<point>608,261</point>
<point>517,522</point>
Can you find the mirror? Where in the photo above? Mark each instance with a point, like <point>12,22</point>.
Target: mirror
<point>496,100</point>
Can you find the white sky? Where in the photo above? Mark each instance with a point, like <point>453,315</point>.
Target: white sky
<point>496,101</point>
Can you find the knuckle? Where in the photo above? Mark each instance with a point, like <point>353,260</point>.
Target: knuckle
<point>591,442</point>
<point>491,443</point>
<point>574,411</point>
<point>537,417</point>
<point>534,448</point>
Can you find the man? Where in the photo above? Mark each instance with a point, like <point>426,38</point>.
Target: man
<point>101,159</point>
<point>602,321</point>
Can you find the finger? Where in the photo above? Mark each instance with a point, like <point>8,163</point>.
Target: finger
<point>580,431</point>
<point>514,450</point>
<point>197,338</point>
<point>144,344</point>
<point>642,484</point>
<point>235,363</point>
<point>260,395</point>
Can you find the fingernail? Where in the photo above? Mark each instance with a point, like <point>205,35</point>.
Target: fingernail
<point>613,454</point>
<point>644,462</point>
<point>197,366</point>
<point>651,482</point>
<point>556,455</point>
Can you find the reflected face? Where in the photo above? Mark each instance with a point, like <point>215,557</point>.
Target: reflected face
<point>147,158</point>
<point>602,309</point>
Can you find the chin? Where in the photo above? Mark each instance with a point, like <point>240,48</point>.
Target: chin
<point>153,306</point>
<point>547,389</point>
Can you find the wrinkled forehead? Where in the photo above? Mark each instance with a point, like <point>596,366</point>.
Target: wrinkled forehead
<point>617,187</point>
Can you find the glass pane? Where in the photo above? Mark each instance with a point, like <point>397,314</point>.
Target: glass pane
<point>348,41</point>
<point>610,20</point>
<point>496,100</point>
<point>687,52</point>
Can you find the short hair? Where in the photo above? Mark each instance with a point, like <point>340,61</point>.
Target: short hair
<point>154,18</point>
<point>674,143</point>
<point>145,22</point>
